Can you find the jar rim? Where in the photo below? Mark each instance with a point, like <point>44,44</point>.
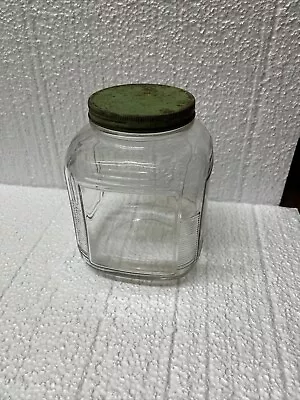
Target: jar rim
<point>140,135</point>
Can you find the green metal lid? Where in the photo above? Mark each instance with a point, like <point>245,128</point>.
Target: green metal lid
<point>141,108</point>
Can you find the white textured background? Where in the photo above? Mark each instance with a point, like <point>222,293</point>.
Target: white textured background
<point>229,331</point>
<point>240,59</point>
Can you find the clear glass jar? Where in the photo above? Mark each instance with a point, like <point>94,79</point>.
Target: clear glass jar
<point>137,179</point>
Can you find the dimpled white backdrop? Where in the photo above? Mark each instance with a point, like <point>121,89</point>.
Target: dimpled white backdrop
<point>239,58</point>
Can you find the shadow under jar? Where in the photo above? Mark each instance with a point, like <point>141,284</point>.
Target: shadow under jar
<point>137,177</point>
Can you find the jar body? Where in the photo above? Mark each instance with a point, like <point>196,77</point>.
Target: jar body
<point>138,201</point>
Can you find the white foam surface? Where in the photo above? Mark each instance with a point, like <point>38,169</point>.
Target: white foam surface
<point>230,330</point>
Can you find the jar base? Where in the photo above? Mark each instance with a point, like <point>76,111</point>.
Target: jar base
<point>141,276</point>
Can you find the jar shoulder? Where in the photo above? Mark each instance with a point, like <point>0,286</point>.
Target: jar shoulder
<point>80,142</point>
<point>200,137</point>
<point>195,134</point>
<point>168,154</point>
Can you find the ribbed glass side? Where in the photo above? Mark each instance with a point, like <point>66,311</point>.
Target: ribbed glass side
<point>75,197</point>
<point>135,233</point>
<point>137,203</point>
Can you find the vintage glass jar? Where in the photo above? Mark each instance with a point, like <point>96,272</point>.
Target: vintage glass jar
<point>137,178</point>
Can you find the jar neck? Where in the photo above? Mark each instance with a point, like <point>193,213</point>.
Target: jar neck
<point>140,135</point>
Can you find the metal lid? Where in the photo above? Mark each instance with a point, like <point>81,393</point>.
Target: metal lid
<point>141,108</point>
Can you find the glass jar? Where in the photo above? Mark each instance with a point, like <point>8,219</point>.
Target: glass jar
<point>137,178</point>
